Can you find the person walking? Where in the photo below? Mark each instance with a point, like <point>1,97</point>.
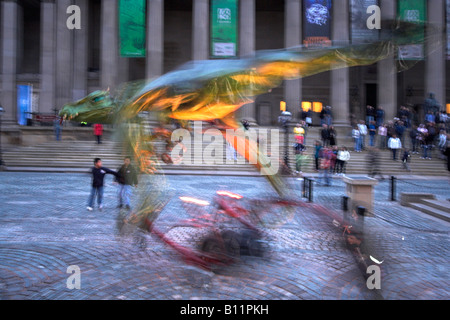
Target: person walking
<point>373,163</point>
<point>127,177</point>
<point>57,127</point>
<point>98,132</point>
<point>405,159</point>
<point>394,144</point>
<point>98,175</point>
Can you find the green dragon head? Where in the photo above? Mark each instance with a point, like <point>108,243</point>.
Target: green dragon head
<point>97,107</point>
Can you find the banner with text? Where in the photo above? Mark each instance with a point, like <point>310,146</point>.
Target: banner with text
<point>224,28</point>
<point>360,33</point>
<point>412,11</point>
<point>317,23</point>
<point>132,28</point>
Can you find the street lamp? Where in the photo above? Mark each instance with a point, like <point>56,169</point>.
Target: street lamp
<point>1,158</point>
<point>284,119</point>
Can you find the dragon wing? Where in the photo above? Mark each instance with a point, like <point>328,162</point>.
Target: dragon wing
<point>213,89</point>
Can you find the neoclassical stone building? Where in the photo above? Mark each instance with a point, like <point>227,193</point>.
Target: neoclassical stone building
<point>62,65</point>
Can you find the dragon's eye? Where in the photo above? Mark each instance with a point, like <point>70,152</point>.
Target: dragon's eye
<point>97,99</point>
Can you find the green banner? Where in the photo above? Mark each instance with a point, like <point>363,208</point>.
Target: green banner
<point>224,28</point>
<point>412,11</point>
<point>132,28</point>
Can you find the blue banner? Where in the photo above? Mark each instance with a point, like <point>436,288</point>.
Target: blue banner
<point>23,103</point>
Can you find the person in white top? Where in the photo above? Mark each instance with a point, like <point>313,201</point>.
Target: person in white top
<point>342,157</point>
<point>394,144</point>
<point>357,137</point>
<point>363,131</point>
<point>382,132</point>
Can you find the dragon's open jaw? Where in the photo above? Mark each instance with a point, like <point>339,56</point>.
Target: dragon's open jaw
<point>97,107</point>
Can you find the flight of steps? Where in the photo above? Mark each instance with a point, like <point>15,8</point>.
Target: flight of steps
<point>428,204</point>
<point>77,156</point>
<point>358,160</point>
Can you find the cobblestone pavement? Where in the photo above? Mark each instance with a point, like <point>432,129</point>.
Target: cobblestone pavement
<point>44,228</point>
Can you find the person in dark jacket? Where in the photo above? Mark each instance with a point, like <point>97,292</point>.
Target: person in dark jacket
<point>127,177</point>
<point>325,135</point>
<point>405,159</point>
<point>317,149</point>
<point>98,176</point>
<point>332,136</point>
<point>447,153</point>
<point>413,134</point>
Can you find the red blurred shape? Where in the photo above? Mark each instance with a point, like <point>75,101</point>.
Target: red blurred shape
<point>229,194</point>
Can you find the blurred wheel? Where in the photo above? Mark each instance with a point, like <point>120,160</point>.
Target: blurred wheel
<point>231,242</point>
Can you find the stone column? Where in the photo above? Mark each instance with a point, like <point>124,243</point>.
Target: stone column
<point>435,59</point>
<point>8,98</point>
<point>48,56</point>
<point>155,38</point>
<point>247,47</point>
<point>292,38</point>
<point>80,57</point>
<point>340,101</point>
<point>64,56</point>
<point>109,45</point>
<point>387,69</point>
<point>200,29</point>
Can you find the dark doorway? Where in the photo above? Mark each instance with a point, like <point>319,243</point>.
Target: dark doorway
<point>371,95</point>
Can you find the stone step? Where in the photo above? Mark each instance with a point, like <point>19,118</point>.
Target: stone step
<point>431,211</point>
<point>107,162</point>
<point>252,173</point>
<point>437,204</point>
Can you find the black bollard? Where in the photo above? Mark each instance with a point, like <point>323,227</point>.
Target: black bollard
<point>393,188</point>
<point>310,190</point>
<point>345,203</point>
<point>360,211</point>
<point>345,208</point>
<point>304,187</point>
<point>360,224</point>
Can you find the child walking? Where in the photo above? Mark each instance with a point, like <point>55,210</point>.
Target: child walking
<point>98,176</point>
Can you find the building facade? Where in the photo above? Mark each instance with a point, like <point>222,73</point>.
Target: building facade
<point>61,65</point>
